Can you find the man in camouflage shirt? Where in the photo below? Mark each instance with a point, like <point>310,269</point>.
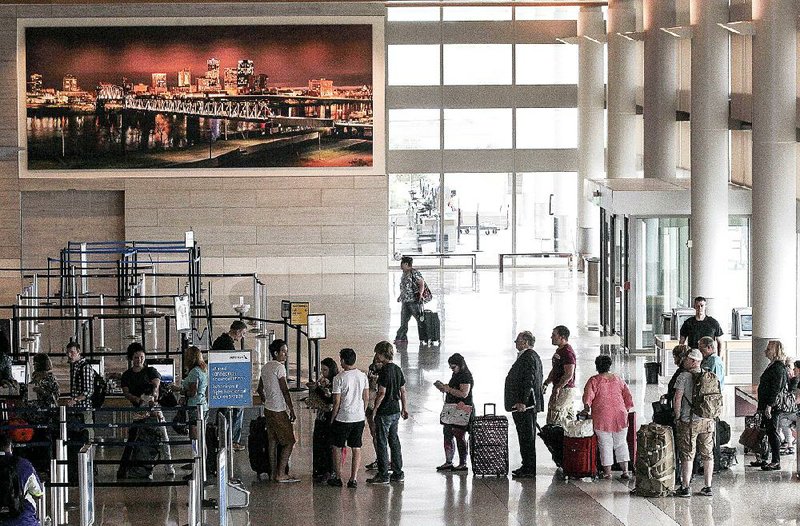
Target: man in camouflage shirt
<point>412,287</point>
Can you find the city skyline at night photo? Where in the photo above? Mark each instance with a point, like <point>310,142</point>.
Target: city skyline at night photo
<point>238,96</point>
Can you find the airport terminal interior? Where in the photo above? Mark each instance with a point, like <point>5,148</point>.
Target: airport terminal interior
<point>167,168</point>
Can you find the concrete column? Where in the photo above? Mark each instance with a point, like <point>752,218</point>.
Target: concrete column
<point>591,103</point>
<point>774,257</point>
<point>660,90</point>
<point>621,90</point>
<point>709,155</point>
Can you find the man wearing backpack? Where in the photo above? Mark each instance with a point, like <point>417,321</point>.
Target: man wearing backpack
<point>412,293</point>
<point>697,403</point>
<point>82,385</point>
<point>19,485</point>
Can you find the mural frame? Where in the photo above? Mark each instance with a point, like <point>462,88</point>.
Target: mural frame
<point>379,143</point>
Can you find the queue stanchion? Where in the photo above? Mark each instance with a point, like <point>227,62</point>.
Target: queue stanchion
<point>56,504</point>
<point>86,480</point>
<point>299,356</point>
<point>311,362</point>
<point>201,441</point>
<point>195,492</point>
<point>317,360</point>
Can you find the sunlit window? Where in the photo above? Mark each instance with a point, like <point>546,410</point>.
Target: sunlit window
<point>473,129</point>
<point>466,13</point>
<point>547,64</point>
<point>547,13</point>
<point>414,130</point>
<point>474,64</point>
<point>412,14</point>
<point>415,65</point>
<point>539,128</point>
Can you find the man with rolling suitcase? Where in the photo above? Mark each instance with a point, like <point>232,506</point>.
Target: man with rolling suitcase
<point>524,396</point>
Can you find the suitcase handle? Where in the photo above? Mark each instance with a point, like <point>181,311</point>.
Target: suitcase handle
<point>494,409</point>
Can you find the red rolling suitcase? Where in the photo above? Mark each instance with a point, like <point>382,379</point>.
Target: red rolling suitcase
<point>580,457</point>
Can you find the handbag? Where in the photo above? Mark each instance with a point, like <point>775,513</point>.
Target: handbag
<point>456,414</point>
<point>427,295</point>
<point>786,402</point>
<point>167,398</point>
<point>579,428</point>
<point>752,439</point>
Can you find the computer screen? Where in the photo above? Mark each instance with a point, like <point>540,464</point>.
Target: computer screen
<point>19,371</point>
<point>166,369</point>
<point>746,323</point>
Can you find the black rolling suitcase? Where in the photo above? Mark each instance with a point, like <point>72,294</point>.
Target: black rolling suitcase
<point>553,438</point>
<point>429,327</point>
<point>257,446</point>
<point>488,442</point>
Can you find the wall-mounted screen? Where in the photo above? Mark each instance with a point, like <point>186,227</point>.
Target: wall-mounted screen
<point>165,368</point>
<point>19,371</point>
<point>147,94</point>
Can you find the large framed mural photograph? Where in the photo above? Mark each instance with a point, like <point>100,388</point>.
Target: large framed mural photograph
<point>154,97</point>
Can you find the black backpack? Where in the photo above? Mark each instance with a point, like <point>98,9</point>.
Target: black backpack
<point>11,497</point>
<point>100,390</point>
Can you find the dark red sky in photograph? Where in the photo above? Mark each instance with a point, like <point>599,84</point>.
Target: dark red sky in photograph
<point>290,55</point>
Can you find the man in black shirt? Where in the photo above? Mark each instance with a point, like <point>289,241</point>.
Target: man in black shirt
<point>699,325</point>
<point>524,396</point>
<point>390,406</point>
<point>227,342</point>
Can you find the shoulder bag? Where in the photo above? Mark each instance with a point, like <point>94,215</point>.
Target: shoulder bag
<point>456,414</point>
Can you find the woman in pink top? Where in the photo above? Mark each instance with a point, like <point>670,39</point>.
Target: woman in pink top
<point>608,398</point>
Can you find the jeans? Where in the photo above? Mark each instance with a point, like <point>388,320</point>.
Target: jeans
<point>409,309</point>
<point>525,422</point>
<point>773,434</point>
<point>386,438</point>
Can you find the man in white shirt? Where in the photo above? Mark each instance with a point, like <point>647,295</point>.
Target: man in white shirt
<point>274,394</point>
<point>350,395</point>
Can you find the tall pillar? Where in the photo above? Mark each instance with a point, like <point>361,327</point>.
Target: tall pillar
<point>660,90</point>
<point>622,77</point>
<point>591,105</point>
<point>709,155</point>
<point>774,259</point>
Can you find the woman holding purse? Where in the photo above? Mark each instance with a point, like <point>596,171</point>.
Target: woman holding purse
<point>458,406</point>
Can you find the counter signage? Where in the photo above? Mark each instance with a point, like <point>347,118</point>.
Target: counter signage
<point>300,311</point>
<point>317,327</point>
<point>230,379</point>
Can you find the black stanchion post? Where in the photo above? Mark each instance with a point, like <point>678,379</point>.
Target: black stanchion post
<point>142,322</point>
<point>298,344</point>
<point>15,328</point>
<point>311,362</point>
<point>166,334</point>
<point>317,361</point>
<point>90,323</point>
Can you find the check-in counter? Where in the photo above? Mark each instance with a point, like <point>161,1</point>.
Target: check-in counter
<point>735,354</point>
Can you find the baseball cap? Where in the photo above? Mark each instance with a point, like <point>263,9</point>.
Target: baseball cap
<point>695,354</point>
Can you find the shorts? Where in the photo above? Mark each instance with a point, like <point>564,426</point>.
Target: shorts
<point>279,428</point>
<point>347,433</point>
<point>699,433</point>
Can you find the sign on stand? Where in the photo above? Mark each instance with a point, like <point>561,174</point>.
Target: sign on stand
<point>299,313</point>
<point>317,327</point>
<point>230,379</point>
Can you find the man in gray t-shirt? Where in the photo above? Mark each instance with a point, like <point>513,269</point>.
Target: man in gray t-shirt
<point>692,429</point>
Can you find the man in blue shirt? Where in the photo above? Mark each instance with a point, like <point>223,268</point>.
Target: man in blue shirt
<point>711,360</point>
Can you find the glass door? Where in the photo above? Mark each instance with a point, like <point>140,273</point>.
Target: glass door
<point>414,214</point>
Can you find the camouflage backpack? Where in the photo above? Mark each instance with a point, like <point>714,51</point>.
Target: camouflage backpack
<point>706,395</point>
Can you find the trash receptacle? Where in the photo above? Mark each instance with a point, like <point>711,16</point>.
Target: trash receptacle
<point>592,266</point>
<point>651,371</point>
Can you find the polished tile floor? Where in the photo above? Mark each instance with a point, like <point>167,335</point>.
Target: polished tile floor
<point>480,316</point>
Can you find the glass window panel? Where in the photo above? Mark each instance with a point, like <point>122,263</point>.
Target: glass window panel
<point>539,128</point>
<point>414,213</point>
<point>547,13</point>
<point>415,65</point>
<point>414,130</point>
<point>536,227</point>
<point>547,64</point>
<point>477,64</point>
<point>473,197</point>
<point>412,14</point>
<point>473,129</point>
<point>476,13</point>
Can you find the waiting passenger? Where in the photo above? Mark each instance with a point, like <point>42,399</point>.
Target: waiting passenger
<point>278,410</point>
<point>140,386</point>
<point>372,375</point>
<point>711,360</point>
<point>322,459</point>
<point>350,396</point>
<point>457,391</point>
<point>412,288</point>
<point>789,420</point>
<point>42,394</point>
<point>193,387</point>
<point>560,407</point>
<point>17,504</point>
<point>773,380</point>
<point>609,400</point>
<point>524,395</point>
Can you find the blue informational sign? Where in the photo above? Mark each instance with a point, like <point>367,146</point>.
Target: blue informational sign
<point>230,376</point>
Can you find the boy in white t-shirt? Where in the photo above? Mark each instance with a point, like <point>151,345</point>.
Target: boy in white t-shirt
<point>350,394</point>
<point>279,411</point>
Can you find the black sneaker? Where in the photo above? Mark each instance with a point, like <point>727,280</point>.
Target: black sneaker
<point>335,482</point>
<point>377,479</point>
<point>398,477</point>
<point>352,484</point>
<point>683,492</point>
<point>706,491</point>
<point>372,467</point>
